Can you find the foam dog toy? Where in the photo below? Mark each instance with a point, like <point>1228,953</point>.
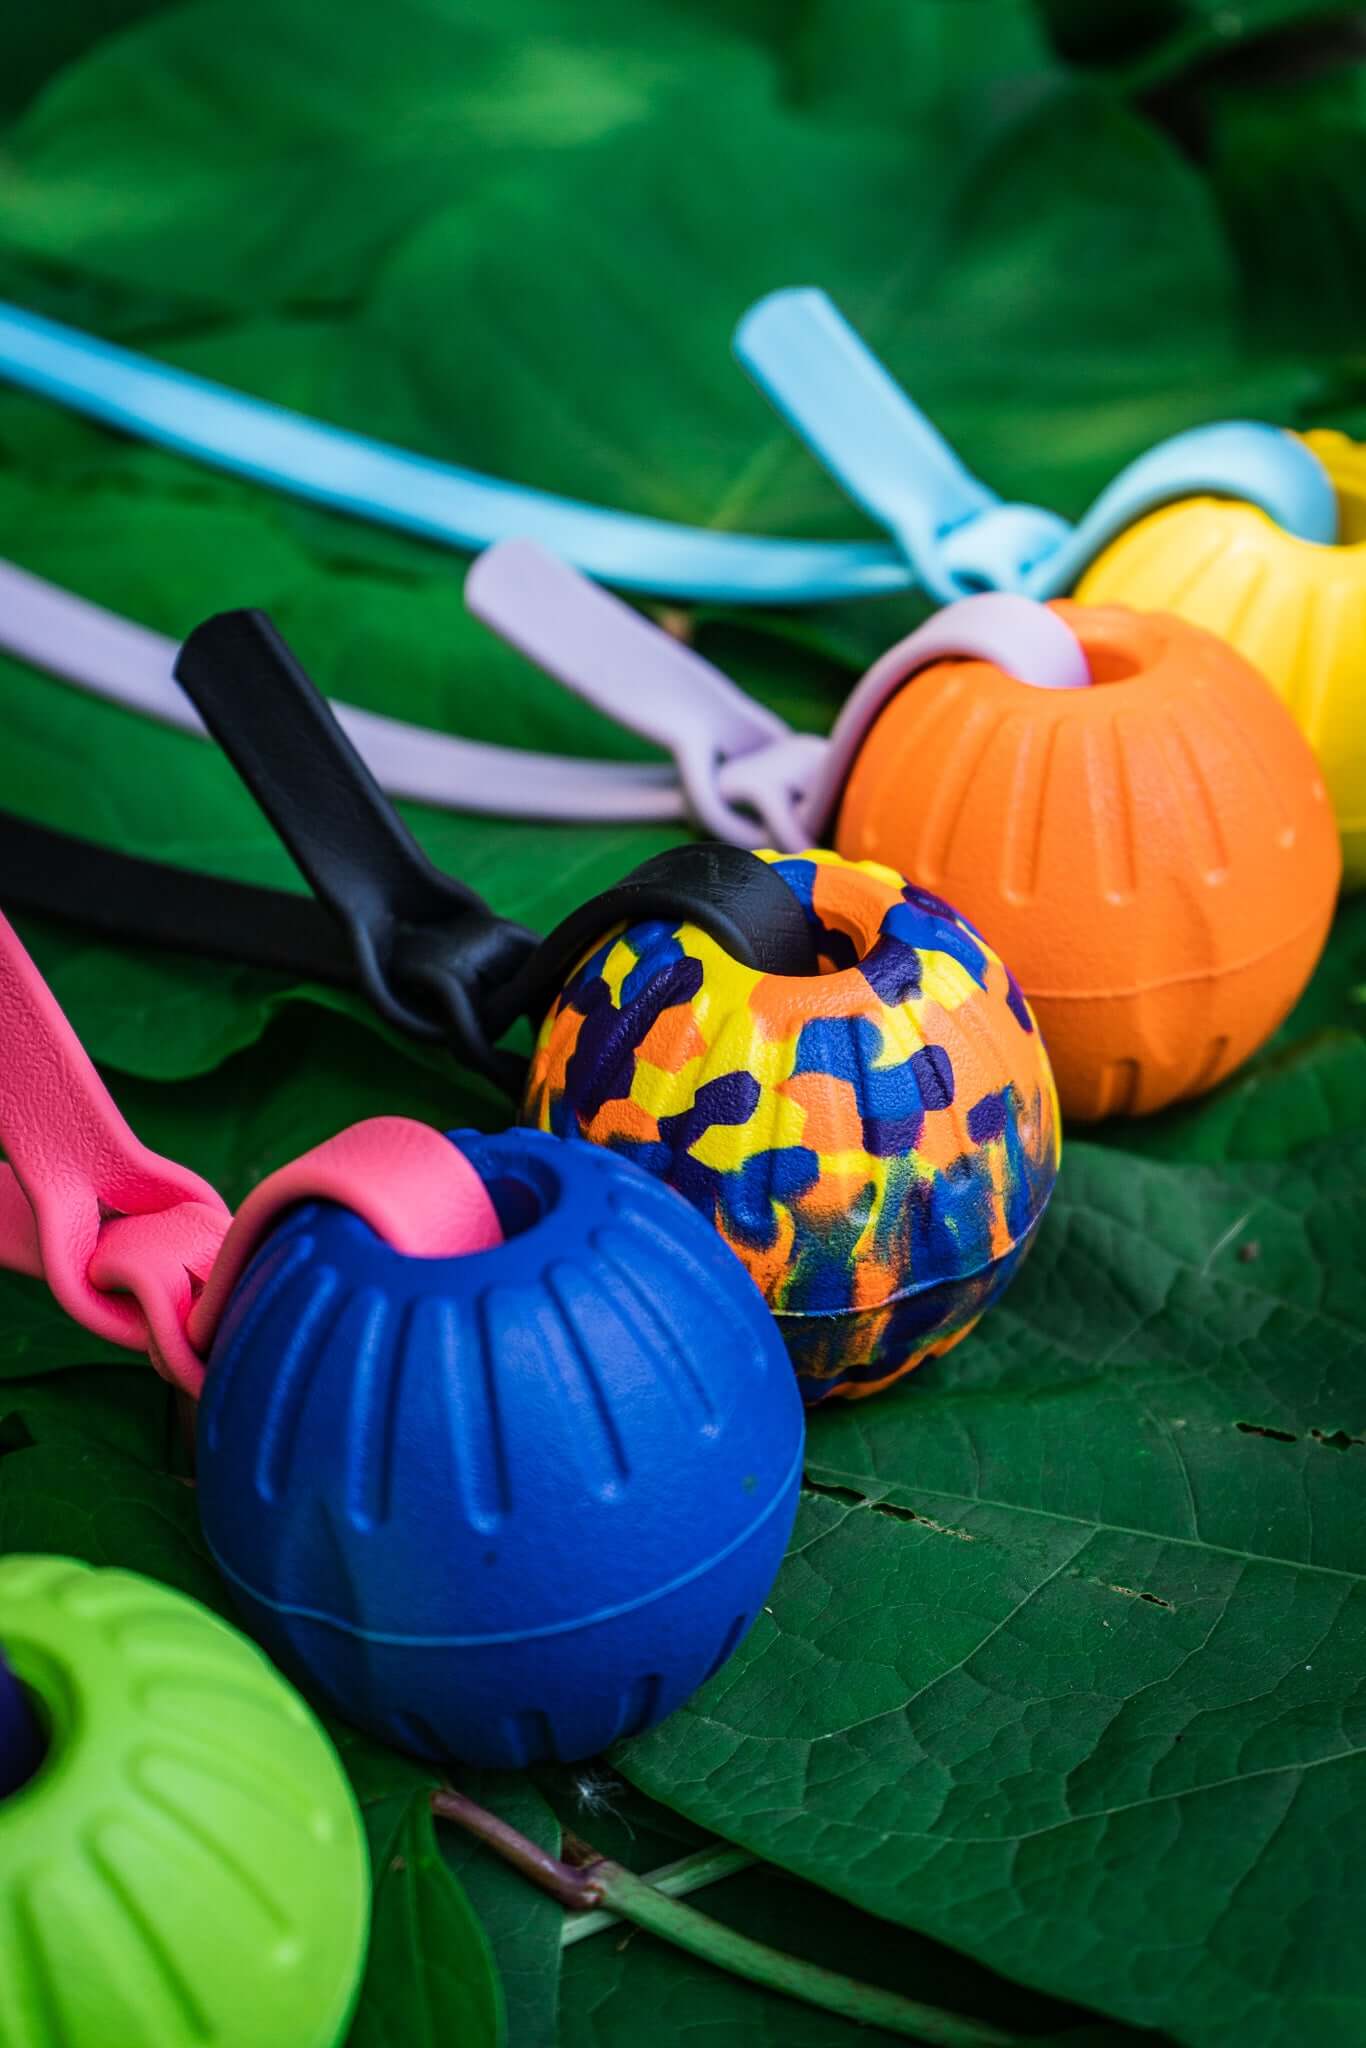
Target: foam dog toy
<point>1116,800</point>
<point>1295,608</point>
<point>183,1865</point>
<point>470,1453</point>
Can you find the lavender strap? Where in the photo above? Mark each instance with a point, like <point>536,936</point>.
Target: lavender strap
<point>112,658</point>
<point>647,681</point>
<point>738,769</point>
<point>746,775</point>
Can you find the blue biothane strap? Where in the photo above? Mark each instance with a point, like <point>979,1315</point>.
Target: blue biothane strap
<point>950,533</point>
<point>958,535</point>
<point>351,473</point>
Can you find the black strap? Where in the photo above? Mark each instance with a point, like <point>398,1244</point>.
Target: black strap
<point>431,955</point>
<point>739,901</point>
<point>428,950</point>
<point>145,903</point>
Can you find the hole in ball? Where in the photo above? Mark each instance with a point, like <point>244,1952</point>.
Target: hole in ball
<point>25,1732</point>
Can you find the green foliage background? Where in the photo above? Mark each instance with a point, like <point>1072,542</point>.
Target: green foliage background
<point>1061,1694</point>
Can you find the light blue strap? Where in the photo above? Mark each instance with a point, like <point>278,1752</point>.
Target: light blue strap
<point>351,473</point>
<point>1268,467</point>
<point>950,532</point>
<point>831,388</point>
<point>955,532</point>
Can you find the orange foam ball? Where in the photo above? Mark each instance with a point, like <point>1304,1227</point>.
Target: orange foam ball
<point>1155,856</point>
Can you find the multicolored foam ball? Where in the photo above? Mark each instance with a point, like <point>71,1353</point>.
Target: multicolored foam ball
<point>876,1143</point>
<point>186,1867</point>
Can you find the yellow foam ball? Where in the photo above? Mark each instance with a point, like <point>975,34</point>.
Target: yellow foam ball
<point>1295,609</point>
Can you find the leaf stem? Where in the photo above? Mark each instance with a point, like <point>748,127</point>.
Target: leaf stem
<point>586,1880</point>
<point>579,1890</point>
<point>705,1866</point>
<point>640,1902</point>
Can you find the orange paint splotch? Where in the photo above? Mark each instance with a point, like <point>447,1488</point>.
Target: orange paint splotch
<point>943,1139</point>
<point>622,1119</point>
<point>861,1389</point>
<point>672,1040</point>
<point>874,1282</point>
<point>852,901</point>
<point>830,1114</point>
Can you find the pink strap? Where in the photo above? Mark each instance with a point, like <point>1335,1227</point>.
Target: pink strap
<point>404,1179</point>
<point>139,1250</point>
<point>73,1163</point>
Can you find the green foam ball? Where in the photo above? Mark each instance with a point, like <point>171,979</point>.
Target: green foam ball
<point>187,1868</point>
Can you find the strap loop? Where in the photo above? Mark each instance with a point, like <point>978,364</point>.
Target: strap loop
<point>736,760</point>
<point>424,945</point>
<point>121,1235</point>
<point>141,1251</point>
<point>954,533</point>
<point>431,955</point>
<point>740,902</point>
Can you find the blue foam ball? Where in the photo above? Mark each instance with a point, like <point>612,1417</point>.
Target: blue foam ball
<point>510,1506</point>
<point>21,1740</point>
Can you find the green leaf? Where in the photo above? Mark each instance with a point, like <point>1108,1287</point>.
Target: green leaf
<point>952,255</point>
<point>1287,163</point>
<point>1065,1664</point>
<point>82,1499</point>
<point>296,159</point>
<point>430,1979</point>
<point>1149,41</point>
<point>124,1407</point>
<point>523,1924</point>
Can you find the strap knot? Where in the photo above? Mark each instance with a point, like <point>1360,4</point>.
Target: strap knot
<point>151,1269</point>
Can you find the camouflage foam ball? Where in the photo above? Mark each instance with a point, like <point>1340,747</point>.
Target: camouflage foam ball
<point>877,1143</point>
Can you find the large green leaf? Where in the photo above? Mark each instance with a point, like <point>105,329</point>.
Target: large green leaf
<point>956,253</point>
<point>1065,1666</point>
<point>430,1979</point>
<point>955,217</point>
<point>592,1993</point>
<point>287,166</point>
<point>1288,165</point>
